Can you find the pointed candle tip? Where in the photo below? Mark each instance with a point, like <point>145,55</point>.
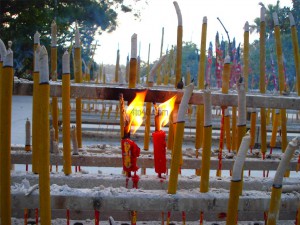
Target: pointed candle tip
<point>36,37</point>
<point>292,20</point>
<point>275,19</point>
<point>44,65</point>
<point>66,63</point>
<point>262,14</point>
<point>77,38</point>
<point>227,59</point>
<point>205,19</point>
<point>246,27</point>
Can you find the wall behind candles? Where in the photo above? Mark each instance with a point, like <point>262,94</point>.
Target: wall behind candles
<point>158,14</point>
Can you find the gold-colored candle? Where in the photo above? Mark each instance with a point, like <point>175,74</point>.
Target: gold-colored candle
<point>133,62</point>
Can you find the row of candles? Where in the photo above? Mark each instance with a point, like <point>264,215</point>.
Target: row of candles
<point>41,95</point>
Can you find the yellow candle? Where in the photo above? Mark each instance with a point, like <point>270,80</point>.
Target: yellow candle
<point>5,131</point>
<point>262,86</point>
<point>296,50</point>
<point>234,134</point>
<point>206,153</point>
<point>54,76</point>
<point>252,128</point>
<point>44,157</point>
<point>78,79</point>
<point>246,54</point>
<point>117,67</point>
<point>226,75</point>
<point>35,103</point>
<point>274,129</point>
<point>227,129</point>
<point>66,113</point>
<point>281,80</point>
<point>159,75</point>
<point>133,62</point>
<point>179,44</point>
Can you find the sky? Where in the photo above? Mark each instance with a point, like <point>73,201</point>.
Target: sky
<point>160,14</point>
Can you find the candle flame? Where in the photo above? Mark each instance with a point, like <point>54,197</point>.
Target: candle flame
<point>135,112</point>
<point>165,110</point>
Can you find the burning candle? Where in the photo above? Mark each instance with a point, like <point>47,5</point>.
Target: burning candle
<point>162,113</point>
<point>53,73</point>
<point>66,112</point>
<point>133,62</point>
<point>296,50</point>
<point>132,121</point>
<point>206,152</point>
<point>35,103</point>
<point>236,182</point>
<point>281,80</point>
<point>172,188</point>
<point>277,183</point>
<point>78,79</point>
<point>5,128</point>
<point>262,85</point>
<point>44,157</point>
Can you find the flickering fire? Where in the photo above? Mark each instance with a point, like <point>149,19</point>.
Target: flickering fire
<point>135,112</point>
<point>165,109</point>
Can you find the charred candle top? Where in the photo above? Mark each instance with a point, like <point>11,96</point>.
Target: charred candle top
<point>36,38</point>
<point>246,27</point>
<point>275,19</point>
<point>66,63</point>
<point>262,14</point>
<point>292,20</point>
<point>178,12</point>
<point>3,51</point>
<point>44,65</point>
<point>207,108</point>
<point>37,58</point>
<point>134,46</point>
<point>77,38</point>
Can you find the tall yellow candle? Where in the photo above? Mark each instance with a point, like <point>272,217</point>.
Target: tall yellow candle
<point>262,86</point>
<point>159,72</point>
<point>227,129</point>
<point>54,76</point>
<point>133,62</point>
<point>178,139</point>
<point>275,129</point>
<point>234,129</point>
<point>206,153</point>
<point>117,67</point>
<point>252,128</point>
<point>242,111</point>
<point>5,133</point>
<point>296,50</point>
<point>277,183</point>
<point>201,74</point>
<point>179,44</point>
<point>44,157</point>
<point>66,113</point>
<point>78,79</point>
<point>35,103</point>
<point>281,80</point>
<point>246,54</point>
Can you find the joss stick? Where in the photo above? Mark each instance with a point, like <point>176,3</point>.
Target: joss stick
<point>262,86</point>
<point>35,104</point>
<point>53,73</point>
<point>201,76</point>
<point>225,87</point>
<point>117,67</point>
<point>159,74</point>
<point>175,163</point>
<point>133,62</point>
<point>277,183</point>
<point>281,80</point>
<point>44,157</point>
<point>78,79</point>
<point>236,182</point>
<point>5,127</point>
<point>66,113</point>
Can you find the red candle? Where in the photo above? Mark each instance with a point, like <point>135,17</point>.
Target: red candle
<point>162,113</point>
<point>159,145</point>
<point>130,152</point>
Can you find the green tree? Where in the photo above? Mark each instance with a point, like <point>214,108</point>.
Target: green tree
<point>20,19</point>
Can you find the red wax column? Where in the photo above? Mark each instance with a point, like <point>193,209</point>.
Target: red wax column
<point>159,145</point>
<point>130,152</point>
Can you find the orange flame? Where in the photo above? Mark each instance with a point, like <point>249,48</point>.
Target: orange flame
<point>135,112</point>
<point>165,110</point>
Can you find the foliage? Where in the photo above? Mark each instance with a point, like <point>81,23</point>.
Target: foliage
<point>21,19</point>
